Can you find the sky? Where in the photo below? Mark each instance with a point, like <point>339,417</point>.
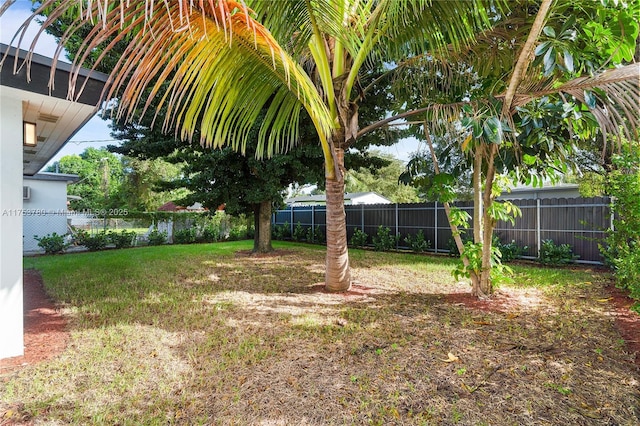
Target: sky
<point>95,132</point>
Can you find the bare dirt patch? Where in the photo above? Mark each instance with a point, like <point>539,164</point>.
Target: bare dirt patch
<point>272,253</point>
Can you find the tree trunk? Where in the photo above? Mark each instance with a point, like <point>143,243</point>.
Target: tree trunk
<point>262,224</point>
<point>476,277</point>
<point>455,232</point>
<point>486,286</point>
<point>338,275</point>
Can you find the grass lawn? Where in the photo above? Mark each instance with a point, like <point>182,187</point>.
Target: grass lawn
<point>201,334</point>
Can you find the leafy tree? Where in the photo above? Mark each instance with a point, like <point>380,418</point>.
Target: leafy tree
<point>526,113</point>
<point>221,73</point>
<point>101,178</point>
<point>382,180</point>
<point>140,189</point>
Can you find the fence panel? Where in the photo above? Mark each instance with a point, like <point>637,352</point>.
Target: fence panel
<point>580,222</point>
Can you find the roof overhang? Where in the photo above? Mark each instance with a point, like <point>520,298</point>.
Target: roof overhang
<point>57,118</point>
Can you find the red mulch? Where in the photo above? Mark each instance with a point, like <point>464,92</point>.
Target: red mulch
<point>45,333</point>
<point>627,321</point>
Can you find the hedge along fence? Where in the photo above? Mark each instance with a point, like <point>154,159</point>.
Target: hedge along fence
<point>579,222</point>
<point>214,225</point>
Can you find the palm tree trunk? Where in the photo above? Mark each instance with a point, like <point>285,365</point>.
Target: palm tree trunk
<point>262,224</point>
<point>338,275</point>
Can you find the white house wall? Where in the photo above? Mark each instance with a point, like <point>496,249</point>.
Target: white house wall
<point>46,196</point>
<point>11,314</point>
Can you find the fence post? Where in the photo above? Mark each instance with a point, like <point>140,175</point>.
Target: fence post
<point>313,223</point>
<point>538,236</point>
<point>435,215</point>
<point>362,217</point>
<point>397,229</point>
<point>291,223</point>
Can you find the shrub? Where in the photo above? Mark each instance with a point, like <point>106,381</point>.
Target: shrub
<point>281,232</point>
<point>622,248</point>
<point>185,236</point>
<point>210,234</point>
<point>52,243</point>
<point>298,232</point>
<point>156,238</point>
<point>627,272</point>
<point>418,243</point>
<point>552,254</point>
<point>383,240</point>
<point>123,239</point>
<point>315,235</point>
<point>94,242</point>
<point>238,232</point>
<point>509,251</point>
<point>359,238</point>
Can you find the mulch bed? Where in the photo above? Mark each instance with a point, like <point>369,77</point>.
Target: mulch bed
<point>45,333</point>
<point>46,336</point>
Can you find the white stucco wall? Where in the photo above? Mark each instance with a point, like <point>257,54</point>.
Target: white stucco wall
<point>11,319</point>
<point>44,211</point>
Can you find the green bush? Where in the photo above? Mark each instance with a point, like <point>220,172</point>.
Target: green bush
<point>210,234</point>
<point>123,239</point>
<point>622,248</point>
<point>510,251</point>
<point>383,240</point>
<point>299,233</point>
<point>418,243</point>
<point>315,235</point>
<point>185,236</point>
<point>552,254</point>
<point>238,232</point>
<point>627,272</point>
<point>52,243</point>
<point>156,238</point>
<point>359,238</point>
<point>94,242</point>
<point>281,232</point>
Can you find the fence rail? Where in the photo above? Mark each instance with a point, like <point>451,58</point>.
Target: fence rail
<point>579,222</point>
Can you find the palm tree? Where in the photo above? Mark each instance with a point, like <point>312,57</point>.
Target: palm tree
<point>218,63</point>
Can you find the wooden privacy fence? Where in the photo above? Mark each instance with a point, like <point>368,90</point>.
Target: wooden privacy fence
<point>579,222</point>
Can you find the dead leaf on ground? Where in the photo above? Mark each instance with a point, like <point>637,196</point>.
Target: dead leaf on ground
<point>451,358</point>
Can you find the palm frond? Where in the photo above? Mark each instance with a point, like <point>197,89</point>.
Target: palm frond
<point>213,65</point>
<point>617,91</point>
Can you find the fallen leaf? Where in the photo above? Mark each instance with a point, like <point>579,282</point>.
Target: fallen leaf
<point>605,300</point>
<point>452,358</point>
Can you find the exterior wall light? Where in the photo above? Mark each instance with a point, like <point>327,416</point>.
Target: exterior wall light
<point>29,136</point>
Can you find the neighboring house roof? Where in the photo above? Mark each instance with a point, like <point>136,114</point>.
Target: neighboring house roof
<point>173,207</point>
<point>562,190</point>
<point>349,198</point>
<point>69,178</point>
<point>57,119</point>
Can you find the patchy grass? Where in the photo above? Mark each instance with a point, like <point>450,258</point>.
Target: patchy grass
<point>198,334</point>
